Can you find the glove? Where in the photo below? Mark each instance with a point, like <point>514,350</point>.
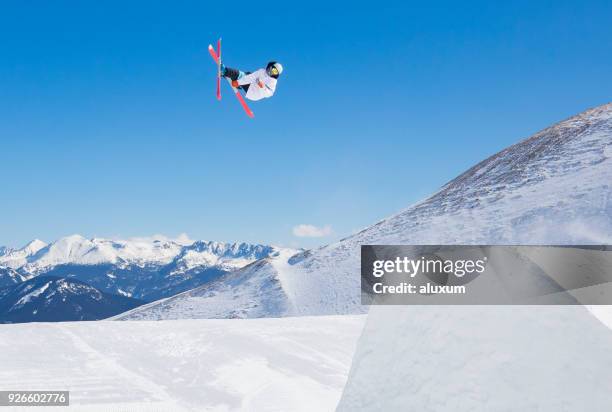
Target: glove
<point>235,83</point>
<point>260,84</point>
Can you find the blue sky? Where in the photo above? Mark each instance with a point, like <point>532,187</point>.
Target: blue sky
<point>109,125</point>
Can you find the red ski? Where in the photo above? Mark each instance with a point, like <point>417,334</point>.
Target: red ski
<point>219,70</point>
<point>215,57</point>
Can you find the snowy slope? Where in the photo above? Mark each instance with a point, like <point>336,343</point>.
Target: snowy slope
<point>490,358</point>
<point>554,187</point>
<point>297,364</point>
<point>551,188</point>
<point>251,292</point>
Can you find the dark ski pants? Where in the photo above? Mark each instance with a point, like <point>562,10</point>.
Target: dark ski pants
<point>234,74</point>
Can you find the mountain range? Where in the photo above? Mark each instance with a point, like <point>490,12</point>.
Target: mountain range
<point>140,269</point>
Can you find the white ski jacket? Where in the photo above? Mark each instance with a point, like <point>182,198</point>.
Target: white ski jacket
<point>261,85</point>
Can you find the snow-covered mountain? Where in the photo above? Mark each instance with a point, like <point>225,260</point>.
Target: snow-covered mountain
<point>9,277</point>
<point>251,292</point>
<point>225,256</point>
<point>552,188</point>
<point>145,268</point>
<point>15,258</point>
<point>37,257</point>
<point>297,364</point>
<point>48,299</point>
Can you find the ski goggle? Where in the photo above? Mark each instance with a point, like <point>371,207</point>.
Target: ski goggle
<point>274,71</point>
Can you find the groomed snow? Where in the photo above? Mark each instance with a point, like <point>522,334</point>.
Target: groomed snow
<point>290,364</point>
<point>487,358</point>
<point>553,188</point>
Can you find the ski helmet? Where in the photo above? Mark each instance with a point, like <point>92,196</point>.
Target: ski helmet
<point>274,69</point>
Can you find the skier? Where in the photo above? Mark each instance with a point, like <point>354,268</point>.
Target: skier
<point>258,84</point>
